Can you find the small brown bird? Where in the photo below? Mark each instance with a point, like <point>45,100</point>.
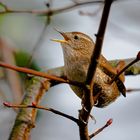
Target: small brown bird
<point>77,49</point>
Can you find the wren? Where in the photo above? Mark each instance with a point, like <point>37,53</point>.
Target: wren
<point>77,50</point>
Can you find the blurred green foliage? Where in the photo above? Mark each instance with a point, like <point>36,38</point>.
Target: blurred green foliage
<point>23,60</point>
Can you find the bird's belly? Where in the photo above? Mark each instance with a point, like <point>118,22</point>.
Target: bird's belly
<point>108,93</point>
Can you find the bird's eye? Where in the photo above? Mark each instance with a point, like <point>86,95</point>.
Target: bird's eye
<point>76,37</point>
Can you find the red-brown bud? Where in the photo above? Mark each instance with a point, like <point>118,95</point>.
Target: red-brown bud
<point>109,122</point>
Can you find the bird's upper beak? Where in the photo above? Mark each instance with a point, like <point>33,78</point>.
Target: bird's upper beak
<point>61,41</point>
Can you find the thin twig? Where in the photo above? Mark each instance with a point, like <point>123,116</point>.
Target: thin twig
<point>42,108</point>
<point>41,74</point>
<point>133,70</point>
<point>129,90</point>
<point>37,45</point>
<point>90,14</point>
<point>125,68</point>
<point>40,39</point>
<point>109,122</point>
<point>53,11</point>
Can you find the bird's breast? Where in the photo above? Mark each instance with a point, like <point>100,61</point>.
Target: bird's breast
<point>76,71</point>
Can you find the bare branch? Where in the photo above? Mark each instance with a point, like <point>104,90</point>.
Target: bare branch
<point>41,74</point>
<point>25,119</point>
<point>88,100</point>
<point>43,108</point>
<point>130,90</point>
<point>41,37</point>
<point>90,14</point>
<point>127,66</point>
<point>33,72</point>
<point>109,122</point>
<point>133,70</point>
<point>11,76</point>
<point>53,11</point>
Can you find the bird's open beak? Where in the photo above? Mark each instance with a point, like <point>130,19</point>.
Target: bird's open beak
<point>61,41</point>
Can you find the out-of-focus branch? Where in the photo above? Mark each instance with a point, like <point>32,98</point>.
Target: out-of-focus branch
<point>90,14</point>
<point>2,96</point>
<point>41,37</point>
<point>126,67</point>
<point>25,119</point>
<point>1,73</point>
<point>7,55</point>
<point>49,12</point>
<point>39,41</point>
<point>133,70</point>
<point>130,90</point>
<point>4,6</point>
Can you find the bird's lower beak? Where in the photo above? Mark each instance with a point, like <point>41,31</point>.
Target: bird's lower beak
<point>60,41</point>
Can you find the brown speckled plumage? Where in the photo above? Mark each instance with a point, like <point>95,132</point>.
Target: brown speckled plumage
<point>77,54</point>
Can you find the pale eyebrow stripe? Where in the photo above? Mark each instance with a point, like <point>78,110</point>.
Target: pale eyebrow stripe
<point>83,35</point>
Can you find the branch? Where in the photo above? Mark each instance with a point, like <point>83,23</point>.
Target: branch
<point>41,37</point>
<point>38,43</point>
<point>88,100</point>
<point>126,67</point>
<point>41,74</point>
<point>25,119</point>
<point>59,72</point>
<point>11,76</point>
<point>42,108</point>
<point>50,12</point>
<point>36,89</point>
<point>4,6</point>
<point>98,44</point>
<point>108,123</point>
<point>133,70</point>
<point>130,90</point>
